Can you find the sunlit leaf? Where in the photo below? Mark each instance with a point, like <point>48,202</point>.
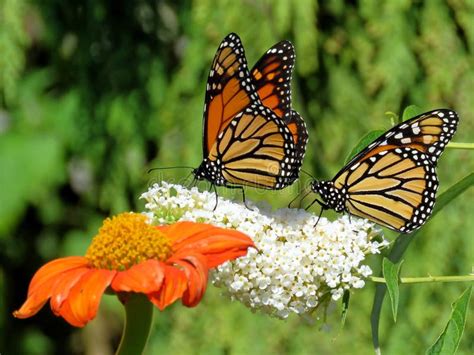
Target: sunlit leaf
<point>410,112</point>
<point>448,341</point>
<point>345,306</point>
<point>391,274</point>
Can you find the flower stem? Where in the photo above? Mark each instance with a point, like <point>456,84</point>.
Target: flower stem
<point>453,145</point>
<point>137,326</point>
<point>416,280</point>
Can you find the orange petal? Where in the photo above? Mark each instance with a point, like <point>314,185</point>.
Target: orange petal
<point>173,287</point>
<point>61,289</point>
<point>196,271</point>
<point>218,244</point>
<point>43,281</point>
<point>145,277</point>
<point>67,313</point>
<point>30,307</point>
<point>54,268</point>
<point>83,301</point>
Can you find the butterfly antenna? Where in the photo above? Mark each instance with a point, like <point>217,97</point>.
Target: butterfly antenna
<point>306,194</point>
<point>170,167</point>
<point>151,181</point>
<point>311,176</point>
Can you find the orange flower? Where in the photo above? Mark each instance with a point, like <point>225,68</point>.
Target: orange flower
<point>129,255</point>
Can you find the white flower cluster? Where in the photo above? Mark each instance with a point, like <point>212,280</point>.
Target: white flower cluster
<point>296,267</point>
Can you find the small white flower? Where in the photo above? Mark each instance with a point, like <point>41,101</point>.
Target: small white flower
<point>295,266</point>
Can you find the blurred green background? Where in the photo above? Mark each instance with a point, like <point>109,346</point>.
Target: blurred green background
<point>94,93</point>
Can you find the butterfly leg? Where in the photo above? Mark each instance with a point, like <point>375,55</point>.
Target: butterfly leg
<point>349,217</point>
<point>319,216</point>
<point>241,188</point>
<point>243,198</point>
<point>215,192</point>
<point>323,205</point>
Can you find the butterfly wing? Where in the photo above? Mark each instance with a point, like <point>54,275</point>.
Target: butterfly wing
<point>271,76</point>
<point>299,133</point>
<point>395,188</point>
<point>428,133</point>
<point>229,89</point>
<point>393,181</point>
<point>256,149</point>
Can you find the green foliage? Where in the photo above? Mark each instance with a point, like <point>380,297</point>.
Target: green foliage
<point>345,306</point>
<point>36,167</point>
<point>448,341</point>
<point>410,112</point>
<point>391,273</point>
<point>93,94</point>
<point>453,192</point>
<point>363,143</point>
<point>404,240</point>
<point>13,40</point>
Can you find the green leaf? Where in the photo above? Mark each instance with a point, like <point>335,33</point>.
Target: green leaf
<point>454,191</point>
<point>401,244</point>
<point>31,164</point>
<point>448,341</point>
<point>394,118</point>
<point>363,143</point>
<point>411,111</point>
<point>391,274</point>
<point>345,306</point>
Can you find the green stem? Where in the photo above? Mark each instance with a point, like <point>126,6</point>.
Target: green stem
<point>416,280</point>
<point>401,244</point>
<point>453,145</point>
<point>137,325</point>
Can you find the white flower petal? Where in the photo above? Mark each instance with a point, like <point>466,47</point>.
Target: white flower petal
<point>295,264</point>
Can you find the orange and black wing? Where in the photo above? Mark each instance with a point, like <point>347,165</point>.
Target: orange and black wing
<point>427,133</point>
<point>229,89</point>
<point>299,133</point>
<point>393,181</point>
<point>271,76</point>
<point>256,149</point>
<point>395,188</point>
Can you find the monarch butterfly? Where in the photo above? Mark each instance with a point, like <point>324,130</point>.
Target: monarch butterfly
<point>393,181</point>
<point>251,135</point>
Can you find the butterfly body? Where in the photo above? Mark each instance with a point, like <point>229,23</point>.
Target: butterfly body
<point>210,170</point>
<point>393,181</point>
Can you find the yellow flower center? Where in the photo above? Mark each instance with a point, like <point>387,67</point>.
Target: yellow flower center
<point>126,240</point>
